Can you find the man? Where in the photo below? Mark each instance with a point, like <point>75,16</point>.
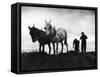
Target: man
<point>76,45</point>
<point>83,42</point>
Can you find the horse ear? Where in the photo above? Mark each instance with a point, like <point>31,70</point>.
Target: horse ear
<point>33,25</point>
<point>45,21</point>
<point>29,27</point>
<point>50,21</point>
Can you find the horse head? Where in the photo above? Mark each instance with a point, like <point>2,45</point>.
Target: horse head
<point>47,26</point>
<point>49,29</point>
<point>33,33</point>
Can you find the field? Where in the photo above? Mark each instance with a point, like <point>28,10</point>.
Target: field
<point>38,61</point>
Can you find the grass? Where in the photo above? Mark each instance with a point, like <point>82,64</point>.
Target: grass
<point>40,61</point>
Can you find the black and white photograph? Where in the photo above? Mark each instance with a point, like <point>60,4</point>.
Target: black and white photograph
<point>57,38</point>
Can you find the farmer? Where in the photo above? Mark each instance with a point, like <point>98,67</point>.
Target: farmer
<point>76,45</point>
<point>83,42</point>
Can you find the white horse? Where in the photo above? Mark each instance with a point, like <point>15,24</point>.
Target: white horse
<point>57,36</point>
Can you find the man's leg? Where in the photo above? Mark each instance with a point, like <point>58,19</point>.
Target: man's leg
<point>82,48</point>
<point>75,49</point>
<point>85,48</point>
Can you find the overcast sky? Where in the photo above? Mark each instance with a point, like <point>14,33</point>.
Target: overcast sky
<point>73,20</point>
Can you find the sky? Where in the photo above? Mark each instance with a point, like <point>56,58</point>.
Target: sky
<point>74,21</point>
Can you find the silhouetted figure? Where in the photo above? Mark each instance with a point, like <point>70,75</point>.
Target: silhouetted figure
<point>41,37</point>
<point>83,42</point>
<point>76,45</point>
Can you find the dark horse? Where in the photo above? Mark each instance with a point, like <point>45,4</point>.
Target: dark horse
<point>41,37</point>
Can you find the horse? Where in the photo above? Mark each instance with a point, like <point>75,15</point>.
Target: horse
<point>41,37</point>
<point>57,36</point>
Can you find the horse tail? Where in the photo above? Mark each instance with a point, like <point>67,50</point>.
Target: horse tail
<point>65,41</point>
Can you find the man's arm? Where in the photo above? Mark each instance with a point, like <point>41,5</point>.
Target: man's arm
<point>86,37</point>
<point>73,43</point>
<point>81,37</point>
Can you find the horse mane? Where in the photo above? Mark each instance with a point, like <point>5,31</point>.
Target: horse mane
<point>39,30</point>
<point>52,31</point>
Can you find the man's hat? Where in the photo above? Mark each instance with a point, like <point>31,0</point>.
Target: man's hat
<point>75,38</point>
<point>82,33</point>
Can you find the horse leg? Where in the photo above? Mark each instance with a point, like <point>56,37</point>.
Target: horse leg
<point>49,48</point>
<point>43,48</point>
<point>53,47</point>
<point>62,47</point>
<point>66,44</point>
<point>57,48</point>
<point>40,48</point>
